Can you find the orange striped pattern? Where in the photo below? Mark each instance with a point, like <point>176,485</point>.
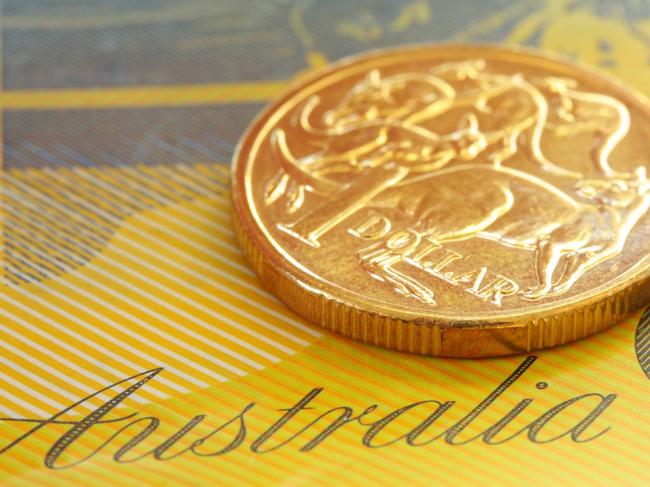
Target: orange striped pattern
<point>170,290</point>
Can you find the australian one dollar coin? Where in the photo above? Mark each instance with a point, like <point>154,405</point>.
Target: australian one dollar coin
<point>451,200</point>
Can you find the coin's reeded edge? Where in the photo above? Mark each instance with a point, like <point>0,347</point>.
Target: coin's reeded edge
<point>427,337</point>
<point>492,334</point>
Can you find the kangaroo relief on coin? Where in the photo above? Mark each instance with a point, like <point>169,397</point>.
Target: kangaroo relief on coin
<point>497,182</point>
<point>399,160</point>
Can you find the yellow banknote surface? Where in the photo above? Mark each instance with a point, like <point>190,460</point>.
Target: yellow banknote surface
<point>136,345</point>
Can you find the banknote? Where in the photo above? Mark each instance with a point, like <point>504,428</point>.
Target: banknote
<point>136,345</point>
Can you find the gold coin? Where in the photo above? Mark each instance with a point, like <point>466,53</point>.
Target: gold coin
<point>461,201</point>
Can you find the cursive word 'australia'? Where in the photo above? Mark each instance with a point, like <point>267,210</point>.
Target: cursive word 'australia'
<point>302,427</point>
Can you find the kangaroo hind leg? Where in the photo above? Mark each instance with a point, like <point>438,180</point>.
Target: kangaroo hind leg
<point>547,260</point>
<point>577,265</point>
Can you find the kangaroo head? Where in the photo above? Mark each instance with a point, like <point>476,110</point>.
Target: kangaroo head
<point>618,192</point>
<point>462,70</point>
<point>376,98</point>
<point>467,141</point>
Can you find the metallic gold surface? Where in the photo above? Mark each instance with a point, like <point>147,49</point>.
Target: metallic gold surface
<point>455,200</point>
